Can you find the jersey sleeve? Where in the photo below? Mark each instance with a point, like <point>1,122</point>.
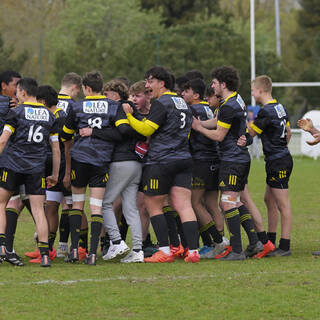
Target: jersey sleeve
<point>261,122</point>
<point>11,121</point>
<point>69,127</point>
<point>225,116</point>
<point>157,115</point>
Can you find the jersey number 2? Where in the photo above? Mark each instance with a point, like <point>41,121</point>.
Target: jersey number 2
<point>284,132</point>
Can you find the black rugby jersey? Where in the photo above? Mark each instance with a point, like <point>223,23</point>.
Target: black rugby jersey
<point>232,115</point>
<point>201,147</point>
<point>271,124</point>
<point>64,102</point>
<point>31,124</point>
<point>95,112</point>
<point>173,118</point>
<point>4,109</point>
<point>60,116</point>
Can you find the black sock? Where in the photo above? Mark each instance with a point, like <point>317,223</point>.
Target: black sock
<point>96,224</point>
<point>181,233</point>
<point>212,229</point>
<point>262,236</point>
<point>2,239</point>
<point>52,237</point>
<point>205,237</point>
<point>190,229</point>
<point>75,217</point>
<point>272,237</point>
<point>123,228</point>
<point>160,228</point>
<point>44,248</point>
<point>83,241</point>
<point>64,227</point>
<point>170,214</point>
<point>284,244</point>
<point>247,224</point>
<point>12,218</point>
<point>147,243</point>
<point>233,220</point>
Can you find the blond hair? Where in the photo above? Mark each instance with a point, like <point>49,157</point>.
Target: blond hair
<point>138,87</point>
<point>117,86</point>
<point>264,83</point>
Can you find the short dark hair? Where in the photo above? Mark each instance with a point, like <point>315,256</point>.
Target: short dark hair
<point>197,86</point>
<point>209,91</point>
<point>30,86</point>
<point>229,75</point>
<point>162,74</point>
<point>6,76</point>
<point>194,74</point>
<point>70,79</point>
<point>94,80</point>
<point>48,94</point>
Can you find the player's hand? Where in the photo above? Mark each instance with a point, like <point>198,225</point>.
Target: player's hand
<point>13,102</point>
<point>51,181</point>
<point>315,141</point>
<point>196,124</point>
<point>305,124</point>
<point>242,141</point>
<point>85,132</point>
<point>127,108</point>
<point>67,181</point>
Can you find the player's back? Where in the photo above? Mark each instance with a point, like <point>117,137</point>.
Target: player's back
<point>32,124</point>
<point>170,141</point>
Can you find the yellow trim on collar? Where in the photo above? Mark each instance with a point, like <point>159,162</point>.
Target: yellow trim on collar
<point>38,104</point>
<point>95,97</point>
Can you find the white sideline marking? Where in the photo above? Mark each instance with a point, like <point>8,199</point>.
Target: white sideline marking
<point>149,279</point>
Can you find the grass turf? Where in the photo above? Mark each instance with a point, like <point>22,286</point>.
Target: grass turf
<point>272,288</point>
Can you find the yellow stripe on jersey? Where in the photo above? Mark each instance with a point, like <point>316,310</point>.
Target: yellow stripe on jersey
<point>34,104</point>
<point>67,130</point>
<point>223,124</point>
<point>95,97</point>
<point>288,124</point>
<point>146,128</point>
<point>11,128</point>
<point>169,92</point>
<point>255,128</point>
<point>63,97</point>
<point>121,121</point>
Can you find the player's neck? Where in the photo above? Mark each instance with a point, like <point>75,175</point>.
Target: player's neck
<point>196,101</point>
<point>66,91</point>
<point>266,98</point>
<point>226,93</point>
<point>30,99</point>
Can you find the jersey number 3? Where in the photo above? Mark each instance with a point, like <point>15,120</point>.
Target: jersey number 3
<point>183,120</point>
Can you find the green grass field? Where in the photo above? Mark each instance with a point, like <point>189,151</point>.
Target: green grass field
<point>272,288</point>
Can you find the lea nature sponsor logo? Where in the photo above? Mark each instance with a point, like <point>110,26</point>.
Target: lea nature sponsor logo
<point>36,114</point>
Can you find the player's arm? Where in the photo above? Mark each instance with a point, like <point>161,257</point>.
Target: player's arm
<point>259,124</point>
<point>288,130</point>
<point>67,174</point>
<point>155,118</point>
<point>4,138</point>
<point>217,134</point>
<point>8,129</point>
<point>69,128</point>
<point>210,123</point>
<point>56,156</point>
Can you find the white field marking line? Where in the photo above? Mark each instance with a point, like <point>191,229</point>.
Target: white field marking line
<point>152,279</point>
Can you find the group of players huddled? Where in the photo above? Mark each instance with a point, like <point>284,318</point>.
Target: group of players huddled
<point>168,151</point>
